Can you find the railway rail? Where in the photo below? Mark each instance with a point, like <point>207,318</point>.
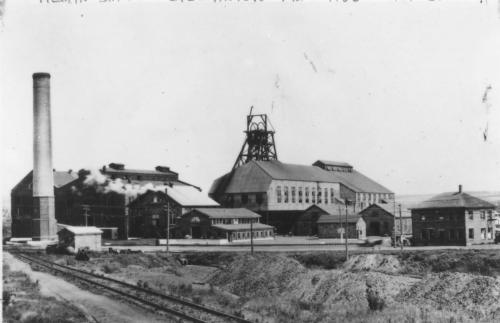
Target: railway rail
<point>172,305</point>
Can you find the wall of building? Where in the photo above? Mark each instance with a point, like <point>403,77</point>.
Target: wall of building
<point>407,228</point>
<point>331,230</point>
<point>378,222</point>
<point>483,229</point>
<point>294,202</point>
<point>438,226</point>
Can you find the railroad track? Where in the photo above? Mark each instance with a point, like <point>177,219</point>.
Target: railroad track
<point>172,305</point>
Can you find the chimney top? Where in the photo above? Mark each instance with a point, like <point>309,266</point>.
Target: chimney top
<point>40,74</point>
<point>460,188</point>
<point>117,166</point>
<point>163,169</point>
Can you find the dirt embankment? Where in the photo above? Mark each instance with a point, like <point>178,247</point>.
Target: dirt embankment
<point>365,288</point>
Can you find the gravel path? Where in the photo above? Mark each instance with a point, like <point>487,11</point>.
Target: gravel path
<point>100,308</point>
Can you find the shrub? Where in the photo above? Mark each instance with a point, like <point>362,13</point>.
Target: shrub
<point>111,268</point>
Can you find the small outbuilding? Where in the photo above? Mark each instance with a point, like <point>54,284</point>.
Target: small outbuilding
<point>221,223</point>
<point>80,237</point>
<point>333,226</point>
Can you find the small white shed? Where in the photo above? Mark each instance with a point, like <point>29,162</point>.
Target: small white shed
<point>80,237</point>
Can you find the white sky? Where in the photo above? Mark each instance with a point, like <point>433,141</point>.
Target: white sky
<point>396,88</point>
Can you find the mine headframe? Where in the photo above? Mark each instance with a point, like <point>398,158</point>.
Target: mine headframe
<point>259,141</point>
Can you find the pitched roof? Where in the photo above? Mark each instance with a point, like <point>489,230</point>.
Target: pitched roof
<point>328,218</point>
<point>189,196</point>
<point>333,209</point>
<point>218,213</point>
<point>256,176</point>
<point>82,230</point>
<point>454,200</point>
<point>63,178</point>
<point>245,226</point>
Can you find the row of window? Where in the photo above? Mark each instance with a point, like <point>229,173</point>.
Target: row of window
<point>483,233</point>
<point>482,214</point>
<point>301,195</point>
<point>246,235</point>
<point>234,221</point>
<point>454,234</point>
<point>374,197</point>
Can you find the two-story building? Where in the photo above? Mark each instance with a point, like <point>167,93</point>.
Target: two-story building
<point>455,218</point>
<point>281,192</point>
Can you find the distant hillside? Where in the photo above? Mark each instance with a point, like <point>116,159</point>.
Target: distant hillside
<point>409,201</point>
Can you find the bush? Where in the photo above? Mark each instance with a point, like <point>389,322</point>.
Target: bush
<point>111,268</point>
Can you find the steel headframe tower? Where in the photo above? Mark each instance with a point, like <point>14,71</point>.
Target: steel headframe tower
<point>259,141</point>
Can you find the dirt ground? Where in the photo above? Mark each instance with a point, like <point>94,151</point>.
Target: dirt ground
<point>83,305</point>
<point>430,286</point>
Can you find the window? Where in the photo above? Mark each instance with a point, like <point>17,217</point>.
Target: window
<point>286,194</point>
<point>326,196</point>
<point>332,196</point>
<point>471,215</point>
<point>490,233</point>
<point>307,194</point>
<point>471,233</point>
<point>483,233</point>
<point>155,199</point>
<point>300,194</point>
<point>259,198</point>
<point>452,235</point>
<point>483,215</point>
<point>278,194</point>
<point>244,199</point>
<point>313,195</point>
<point>293,194</point>
<point>319,195</point>
<point>422,218</point>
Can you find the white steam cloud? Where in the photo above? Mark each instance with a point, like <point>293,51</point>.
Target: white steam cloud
<point>105,185</point>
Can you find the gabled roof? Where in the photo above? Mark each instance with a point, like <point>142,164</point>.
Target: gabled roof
<point>189,196</point>
<point>60,179</point>
<point>63,178</point>
<point>455,200</point>
<point>328,218</point>
<point>222,213</point>
<point>243,226</point>
<point>82,230</point>
<point>256,176</point>
<point>332,209</point>
<point>389,208</point>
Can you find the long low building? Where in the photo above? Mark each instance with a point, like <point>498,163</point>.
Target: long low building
<point>282,192</point>
<point>233,224</point>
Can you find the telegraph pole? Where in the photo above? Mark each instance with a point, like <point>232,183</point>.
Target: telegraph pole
<point>400,227</point>
<point>251,236</point>
<point>168,225</point>
<point>345,232</point>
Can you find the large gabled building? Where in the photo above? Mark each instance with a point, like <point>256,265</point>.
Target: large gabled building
<point>281,192</point>
<point>99,202</point>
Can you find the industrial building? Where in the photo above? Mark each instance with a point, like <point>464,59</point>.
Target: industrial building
<point>455,218</point>
<point>150,212</point>
<point>234,224</point>
<point>281,192</point>
<point>100,198</point>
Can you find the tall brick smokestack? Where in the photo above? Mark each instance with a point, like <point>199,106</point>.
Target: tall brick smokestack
<point>44,221</point>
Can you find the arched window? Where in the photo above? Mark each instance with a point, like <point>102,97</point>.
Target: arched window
<point>286,194</point>
<point>326,196</point>
<point>300,194</point>
<point>293,194</point>
<point>313,195</point>
<point>307,194</point>
<point>278,194</point>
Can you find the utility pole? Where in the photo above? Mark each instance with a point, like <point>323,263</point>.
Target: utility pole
<point>86,209</point>
<point>394,224</point>
<point>400,227</point>
<point>345,234</point>
<point>168,226</point>
<point>251,236</point>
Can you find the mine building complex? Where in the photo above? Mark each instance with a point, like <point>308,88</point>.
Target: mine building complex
<point>455,218</point>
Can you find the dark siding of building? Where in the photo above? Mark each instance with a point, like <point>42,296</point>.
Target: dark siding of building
<point>438,226</point>
<point>379,222</point>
